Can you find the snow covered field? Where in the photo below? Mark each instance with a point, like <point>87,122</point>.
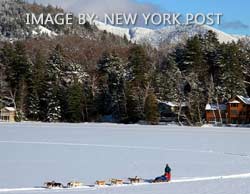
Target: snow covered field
<point>203,160</point>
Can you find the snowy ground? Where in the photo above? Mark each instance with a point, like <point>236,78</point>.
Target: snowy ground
<point>204,160</point>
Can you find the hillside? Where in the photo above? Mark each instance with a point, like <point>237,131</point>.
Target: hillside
<point>13,20</point>
<point>13,23</point>
<point>167,35</point>
<point>13,27</point>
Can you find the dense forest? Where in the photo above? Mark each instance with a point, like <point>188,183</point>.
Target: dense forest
<point>90,76</point>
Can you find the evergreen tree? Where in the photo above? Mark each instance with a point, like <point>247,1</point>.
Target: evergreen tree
<point>75,107</point>
<point>244,60</point>
<point>231,77</point>
<point>55,65</point>
<point>168,81</point>
<point>139,82</point>
<point>33,106</point>
<point>140,66</point>
<point>151,109</point>
<point>35,87</point>
<point>196,72</point>
<point>212,54</point>
<point>51,98</point>
<point>112,86</point>
<point>194,58</point>
<point>7,59</point>
<point>135,111</point>
<point>53,113</point>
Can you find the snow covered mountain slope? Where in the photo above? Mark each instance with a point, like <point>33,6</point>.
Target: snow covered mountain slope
<point>113,29</point>
<point>166,35</point>
<point>42,30</point>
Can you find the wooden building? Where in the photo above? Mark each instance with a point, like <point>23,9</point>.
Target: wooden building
<point>235,111</point>
<point>216,113</point>
<point>172,111</point>
<point>238,110</point>
<point>7,114</point>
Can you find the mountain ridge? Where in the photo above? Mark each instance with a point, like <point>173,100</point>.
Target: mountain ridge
<point>12,27</point>
<point>169,34</point>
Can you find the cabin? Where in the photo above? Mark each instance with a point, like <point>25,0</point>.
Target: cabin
<point>238,110</point>
<point>216,113</point>
<point>169,111</point>
<point>235,111</point>
<point>101,183</point>
<point>7,114</point>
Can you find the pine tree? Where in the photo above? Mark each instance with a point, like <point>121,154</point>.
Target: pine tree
<point>140,66</point>
<point>52,86</point>
<point>196,74</point>
<point>135,111</point>
<point>53,113</point>
<point>212,54</point>
<point>151,109</point>
<point>55,65</point>
<point>33,106</point>
<point>231,77</point>
<point>35,88</point>
<point>168,80</point>
<point>139,82</point>
<point>7,59</point>
<point>194,58</point>
<point>244,58</point>
<point>75,106</point>
<point>112,86</point>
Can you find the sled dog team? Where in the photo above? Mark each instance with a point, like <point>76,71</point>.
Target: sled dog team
<point>164,178</point>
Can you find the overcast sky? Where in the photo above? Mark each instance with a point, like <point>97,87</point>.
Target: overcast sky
<point>235,20</point>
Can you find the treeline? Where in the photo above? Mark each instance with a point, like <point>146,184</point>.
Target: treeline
<point>55,88</point>
<point>121,84</point>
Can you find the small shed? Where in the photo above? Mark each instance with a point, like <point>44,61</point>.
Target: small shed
<point>216,113</point>
<point>8,114</point>
<point>171,111</point>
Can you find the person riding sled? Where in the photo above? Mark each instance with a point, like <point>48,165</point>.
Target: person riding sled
<point>166,177</point>
<point>168,172</point>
